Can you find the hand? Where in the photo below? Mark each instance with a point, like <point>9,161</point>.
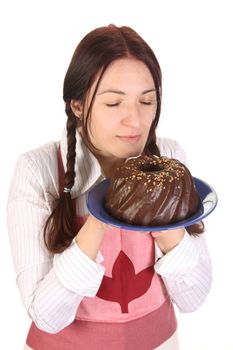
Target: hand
<point>90,236</point>
<point>168,240</point>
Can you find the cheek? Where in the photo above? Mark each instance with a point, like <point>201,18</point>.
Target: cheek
<point>102,131</point>
<point>103,123</point>
<point>146,124</point>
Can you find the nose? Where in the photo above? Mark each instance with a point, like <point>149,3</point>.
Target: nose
<point>131,116</point>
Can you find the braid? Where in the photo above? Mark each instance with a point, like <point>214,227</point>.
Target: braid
<point>59,229</point>
<point>71,142</point>
<point>151,146</point>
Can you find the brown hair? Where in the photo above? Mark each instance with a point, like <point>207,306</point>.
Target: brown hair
<point>92,56</point>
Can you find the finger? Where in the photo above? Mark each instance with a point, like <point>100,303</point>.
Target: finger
<point>155,234</point>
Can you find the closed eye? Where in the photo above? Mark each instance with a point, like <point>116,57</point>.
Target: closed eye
<point>146,103</point>
<point>112,104</point>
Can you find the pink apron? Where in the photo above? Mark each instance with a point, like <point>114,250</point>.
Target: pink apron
<point>131,311</point>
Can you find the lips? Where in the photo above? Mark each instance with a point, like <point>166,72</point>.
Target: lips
<point>130,138</point>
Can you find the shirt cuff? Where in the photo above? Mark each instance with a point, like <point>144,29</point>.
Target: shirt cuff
<point>77,272</point>
<point>181,259</point>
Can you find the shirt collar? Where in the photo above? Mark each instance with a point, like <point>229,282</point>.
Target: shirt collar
<point>87,168</point>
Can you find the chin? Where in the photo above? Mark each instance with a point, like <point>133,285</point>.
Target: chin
<point>131,153</point>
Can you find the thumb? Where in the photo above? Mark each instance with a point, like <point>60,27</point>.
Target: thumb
<point>155,234</point>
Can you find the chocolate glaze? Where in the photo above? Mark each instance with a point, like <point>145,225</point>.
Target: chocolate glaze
<point>151,190</point>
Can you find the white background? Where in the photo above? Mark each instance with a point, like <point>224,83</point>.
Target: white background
<point>193,42</point>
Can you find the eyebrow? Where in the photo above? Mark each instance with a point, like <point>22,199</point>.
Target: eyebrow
<point>119,92</point>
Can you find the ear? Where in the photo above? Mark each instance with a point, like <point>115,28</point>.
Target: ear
<point>76,108</point>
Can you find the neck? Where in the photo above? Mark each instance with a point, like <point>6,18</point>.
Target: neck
<point>109,166</point>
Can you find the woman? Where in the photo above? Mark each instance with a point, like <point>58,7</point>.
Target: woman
<point>62,255</point>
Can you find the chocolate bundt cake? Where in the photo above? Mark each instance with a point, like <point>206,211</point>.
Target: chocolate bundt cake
<point>151,190</point>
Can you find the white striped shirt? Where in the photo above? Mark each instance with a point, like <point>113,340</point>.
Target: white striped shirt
<point>52,286</point>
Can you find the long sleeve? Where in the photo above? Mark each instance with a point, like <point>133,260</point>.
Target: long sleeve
<point>187,272</point>
<point>51,287</point>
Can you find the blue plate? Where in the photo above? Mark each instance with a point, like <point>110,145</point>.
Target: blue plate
<point>96,201</point>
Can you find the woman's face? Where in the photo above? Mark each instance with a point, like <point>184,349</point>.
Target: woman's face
<point>123,109</point>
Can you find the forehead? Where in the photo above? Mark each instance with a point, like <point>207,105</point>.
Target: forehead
<point>126,73</point>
